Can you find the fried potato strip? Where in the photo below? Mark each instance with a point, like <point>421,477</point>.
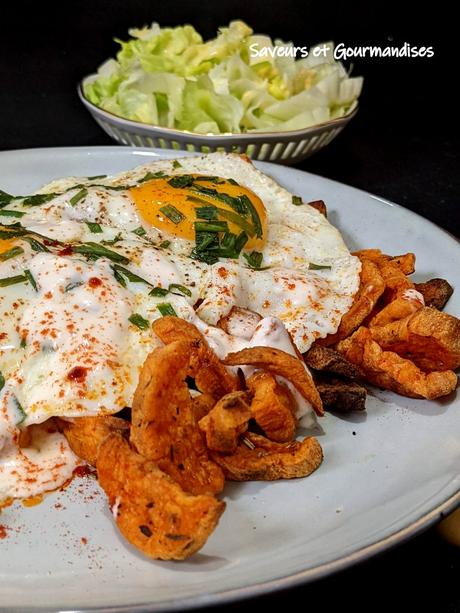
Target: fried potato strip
<point>404,305</point>
<point>388,370</point>
<point>225,422</point>
<point>258,459</point>
<point>430,338</point>
<point>85,434</point>
<point>436,292</point>
<point>211,376</point>
<point>272,407</point>
<point>342,396</point>
<point>151,510</point>
<point>279,362</point>
<point>163,424</point>
<point>326,359</point>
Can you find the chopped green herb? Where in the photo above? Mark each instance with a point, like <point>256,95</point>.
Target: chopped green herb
<point>165,244</point>
<point>12,231</point>
<point>172,213</point>
<point>31,279</point>
<point>23,342</point>
<point>158,291</point>
<point>96,177</point>
<point>139,321</point>
<point>180,288</point>
<point>235,203</point>
<point>254,214</point>
<point>206,240</point>
<point>198,200</point>
<point>181,181</point>
<point>131,276</point>
<point>254,259</point>
<point>204,256</point>
<point>139,231</point>
<point>21,413</point>
<point>72,286</point>
<point>9,213</point>
<point>38,199</point>
<point>11,253</point>
<point>94,228</point>
<point>312,266</point>
<point>297,200</point>
<point>152,175</point>
<point>166,308</point>
<point>95,251</point>
<point>36,245</point>
<point>206,212</point>
<point>78,196</point>
<point>209,179</point>
<point>176,164</point>
<point>232,181</point>
<point>238,220</point>
<point>2,381</point>
<point>241,241</point>
<point>114,240</point>
<point>211,226</point>
<point>5,198</point>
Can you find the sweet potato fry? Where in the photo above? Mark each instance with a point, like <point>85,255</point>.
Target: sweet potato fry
<point>408,303</point>
<point>430,338</point>
<point>85,434</point>
<point>272,407</point>
<point>163,425</point>
<point>370,289</point>
<point>342,396</point>
<point>211,377</point>
<point>239,322</point>
<point>436,292</point>
<point>280,363</point>
<point>405,262</point>
<point>228,419</point>
<point>328,360</point>
<point>388,370</point>
<point>201,405</point>
<point>151,510</point>
<point>320,206</point>
<point>258,459</point>
<point>391,270</point>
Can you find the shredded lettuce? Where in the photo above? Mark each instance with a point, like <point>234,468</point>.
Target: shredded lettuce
<point>170,77</point>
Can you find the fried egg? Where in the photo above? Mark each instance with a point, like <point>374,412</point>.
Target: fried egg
<point>86,265</point>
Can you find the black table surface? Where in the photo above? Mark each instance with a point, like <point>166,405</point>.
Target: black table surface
<point>402,145</point>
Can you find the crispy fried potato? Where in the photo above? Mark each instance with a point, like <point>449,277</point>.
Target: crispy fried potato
<point>151,510</point>
<point>272,407</point>
<point>280,363</point>
<point>239,322</point>
<point>328,360</point>
<point>342,396</point>
<point>436,292</point>
<point>201,405</point>
<point>370,289</point>
<point>405,262</point>
<point>259,459</point>
<point>163,425</point>
<point>211,377</point>
<point>224,424</point>
<point>320,206</point>
<point>388,370</point>
<point>404,305</point>
<point>430,338</point>
<point>391,270</point>
<point>85,434</point>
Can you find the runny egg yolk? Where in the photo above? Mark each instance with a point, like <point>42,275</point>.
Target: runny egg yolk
<point>6,244</point>
<point>175,204</point>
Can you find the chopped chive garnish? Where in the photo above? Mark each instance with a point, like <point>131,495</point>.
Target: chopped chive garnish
<point>176,164</point>
<point>208,257</point>
<point>5,198</point>
<point>180,288</point>
<point>94,228</point>
<point>139,231</point>
<point>238,220</point>
<point>38,199</point>
<point>210,179</point>
<point>158,291</point>
<point>114,240</point>
<point>241,241</point>
<point>254,214</point>
<point>211,226</point>
<point>297,200</point>
<point>30,279</point>
<point>72,286</point>
<point>22,414</point>
<point>95,251</point>
<point>12,231</point>
<point>165,244</point>
<point>152,175</point>
<point>206,240</point>
<point>166,308</point>
<point>36,245</point>
<point>9,213</point>
<point>198,200</point>
<point>172,213</point>
<point>254,259</point>
<point>312,266</point>
<point>206,212</point>
<point>131,276</point>
<point>11,253</point>
<point>23,343</point>
<point>78,196</point>
<point>119,277</point>
<point>232,181</point>
<point>235,203</point>
<point>139,321</point>
<point>2,381</point>
<point>181,181</point>
<point>96,177</point>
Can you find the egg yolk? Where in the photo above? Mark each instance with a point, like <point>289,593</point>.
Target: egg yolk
<point>181,205</point>
<point>6,244</point>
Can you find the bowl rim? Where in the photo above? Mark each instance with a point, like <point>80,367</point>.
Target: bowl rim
<point>248,137</point>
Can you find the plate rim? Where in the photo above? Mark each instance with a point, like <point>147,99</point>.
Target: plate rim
<point>357,556</point>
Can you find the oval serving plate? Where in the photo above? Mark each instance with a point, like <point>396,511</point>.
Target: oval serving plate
<point>386,475</point>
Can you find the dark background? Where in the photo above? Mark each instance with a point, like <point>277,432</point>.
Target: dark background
<point>403,145</point>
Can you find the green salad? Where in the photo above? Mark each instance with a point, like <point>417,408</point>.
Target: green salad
<point>236,82</point>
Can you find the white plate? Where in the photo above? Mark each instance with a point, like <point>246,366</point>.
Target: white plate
<point>386,474</point>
